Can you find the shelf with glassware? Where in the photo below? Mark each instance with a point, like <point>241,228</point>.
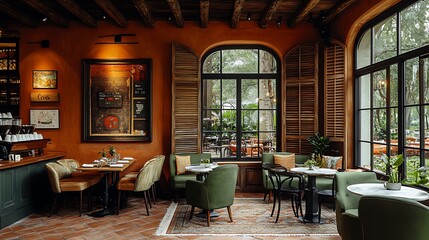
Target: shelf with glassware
<point>9,75</point>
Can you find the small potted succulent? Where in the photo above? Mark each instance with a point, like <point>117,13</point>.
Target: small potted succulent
<point>392,165</point>
<point>310,163</point>
<point>205,163</point>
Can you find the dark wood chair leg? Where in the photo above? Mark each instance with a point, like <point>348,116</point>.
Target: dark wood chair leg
<point>54,203</point>
<point>118,202</point>
<point>192,213</point>
<point>229,213</point>
<point>208,218</point>
<point>279,197</point>
<point>320,206</point>
<point>146,202</point>
<point>80,203</point>
<point>274,203</point>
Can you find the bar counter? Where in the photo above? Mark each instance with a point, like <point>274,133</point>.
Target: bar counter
<point>24,187</point>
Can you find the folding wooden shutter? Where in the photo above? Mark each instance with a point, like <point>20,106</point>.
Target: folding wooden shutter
<point>185,101</point>
<point>300,97</point>
<point>335,73</point>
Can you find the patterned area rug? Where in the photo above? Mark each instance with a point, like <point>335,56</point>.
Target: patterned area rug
<point>251,218</point>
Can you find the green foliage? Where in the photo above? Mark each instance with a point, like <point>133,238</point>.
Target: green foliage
<point>112,150</point>
<point>392,165</point>
<point>320,144</point>
<point>310,162</point>
<point>102,153</point>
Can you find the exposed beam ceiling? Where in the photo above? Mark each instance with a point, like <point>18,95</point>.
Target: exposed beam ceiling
<point>16,14</point>
<point>270,10</point>
<point>48,12</point>
<point>302,13</point>
<point>113,12</point>
<point>145,13</point>
<point>337,9</point>
<point>177,12</point>
<point>238,6</point>
<point>204,12</point>
<point>80,13</point>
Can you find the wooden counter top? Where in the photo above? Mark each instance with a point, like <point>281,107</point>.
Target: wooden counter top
<point>5,164</point>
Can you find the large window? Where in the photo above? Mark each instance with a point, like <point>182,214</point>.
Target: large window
<point>392,90</point>
<point>239,97</point>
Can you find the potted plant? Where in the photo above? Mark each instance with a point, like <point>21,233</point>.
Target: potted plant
<point>320,146</point>
<point>310,163</point>
<point>392,165</point>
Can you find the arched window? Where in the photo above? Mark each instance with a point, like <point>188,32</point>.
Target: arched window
<point>392,89</point>
<point>239,101</point>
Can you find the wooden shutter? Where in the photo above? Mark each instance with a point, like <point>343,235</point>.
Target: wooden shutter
<point>185,101</point>
<point>335,73</point>
<point>300,97</point>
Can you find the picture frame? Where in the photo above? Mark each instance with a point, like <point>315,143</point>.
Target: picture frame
<point>117,100</point>
<point>45,79</point>
<point>45,118</point>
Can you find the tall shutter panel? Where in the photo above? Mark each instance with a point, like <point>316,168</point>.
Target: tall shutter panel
<point>185,100</point>
<point>300,98</point>
<point>335,73</point>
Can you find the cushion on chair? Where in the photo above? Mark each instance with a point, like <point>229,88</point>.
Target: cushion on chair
<point>126,184</point>
<point>333,162</point>
<point>287,161</point>
<point>75,184</point>
<point>181,163</point>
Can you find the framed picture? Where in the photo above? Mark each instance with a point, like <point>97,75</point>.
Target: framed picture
<point>117,100</point>
<point>45,79</point>
<point>45,118</point>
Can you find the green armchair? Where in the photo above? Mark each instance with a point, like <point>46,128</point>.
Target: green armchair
<point>348,224</point>
<point>178,181</point>
<point>393,218</point>
<point>217,191</point>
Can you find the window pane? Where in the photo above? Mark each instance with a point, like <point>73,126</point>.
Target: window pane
<point>267,63</point>
<point>249,94</point>
<point>229,94</point>
<point>240,61</point>
<point>393,84</point>
<point>267,120</point>
<point>267,94</point>
<point>211,120</point>
<point>365,155</point>
<point>425,78</point>
<point>249,120</point>
<point>379,123</point>
<point>379,87</point>
<point>364,50</point>
<point>365,91</point>
<point>385,39</point>
<point>365,119</point>
<point>414,26</point>
<point>426,121</point>
<point>379,165</point>
<point>229,119</point>
<point>211,93</point>
<point>212,63</point>
<point>412,81</point>
<point>394,125</point>
<point>412,126</point>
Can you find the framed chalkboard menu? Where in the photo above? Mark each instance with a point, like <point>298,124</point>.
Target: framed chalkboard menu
<point>117,101</point>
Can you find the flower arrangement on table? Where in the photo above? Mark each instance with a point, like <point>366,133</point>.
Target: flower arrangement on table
<point>114,156</point>
<point>205,162</point>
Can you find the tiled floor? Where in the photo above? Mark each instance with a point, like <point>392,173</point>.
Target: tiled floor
<point>131,223</point>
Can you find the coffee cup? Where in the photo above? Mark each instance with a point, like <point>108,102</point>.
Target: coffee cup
<point>17,158</point>
<point>14,138</point>
<point>12,157</point>
<point>7,138</point>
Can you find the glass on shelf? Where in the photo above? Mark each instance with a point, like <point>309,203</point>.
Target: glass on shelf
<point>5,126</point>
<point>16,126</point>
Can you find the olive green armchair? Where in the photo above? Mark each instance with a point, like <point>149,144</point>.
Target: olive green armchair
<point>348,224</point>
<point>393,218</point>
<point>217,191</point>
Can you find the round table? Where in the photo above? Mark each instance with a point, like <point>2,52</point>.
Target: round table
<point>377,189</point>
<point>311,207</point>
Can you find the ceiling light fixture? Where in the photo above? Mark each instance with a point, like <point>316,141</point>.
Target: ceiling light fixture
<point>104,16</point>
<point>249,17</point>
<point>45,19</point>
<point>279,22</point>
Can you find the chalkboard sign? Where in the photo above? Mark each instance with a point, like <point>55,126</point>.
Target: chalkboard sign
<point>109,100</point>
<point>139,89</point>
<point>140,108</point>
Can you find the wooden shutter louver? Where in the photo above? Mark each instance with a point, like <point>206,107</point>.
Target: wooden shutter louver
<point>334,91</point>
<point>185,100</point>
<point>300,98</point>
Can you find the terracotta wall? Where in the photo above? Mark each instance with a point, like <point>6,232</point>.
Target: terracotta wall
<point>69,46</point>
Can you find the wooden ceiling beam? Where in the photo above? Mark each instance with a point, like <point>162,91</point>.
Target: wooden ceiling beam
<point>337,9</point>
<point>269,12</point>
<point>143,10</point>
<point>16,14</point>
<point>113,12</point>
<point>204,12</point>
<point>79,12</point>
<point>48,12</point>
<point>238,6</point>
<point>177,12</point>
<point>302,13</point>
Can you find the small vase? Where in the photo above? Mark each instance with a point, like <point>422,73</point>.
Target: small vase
<point>311,167</point>
<point>392,186</point>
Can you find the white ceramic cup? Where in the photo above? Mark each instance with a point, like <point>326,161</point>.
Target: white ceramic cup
<point>17,158</point>
<point>7,138</point>
<point>12,157</point>
<point>14,138</point>
<point>39,136</point>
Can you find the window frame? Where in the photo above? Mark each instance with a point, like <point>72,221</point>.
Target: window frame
<point>238,77</point>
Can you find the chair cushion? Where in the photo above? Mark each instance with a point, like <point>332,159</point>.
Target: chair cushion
<point>333,162</point>
<point>74,184</point>
<point>180,180</point>
<point>287,161</point>
<point>131,175</point>
<point>126,184</point>
<point>181,163</point>
<point>353,211</point>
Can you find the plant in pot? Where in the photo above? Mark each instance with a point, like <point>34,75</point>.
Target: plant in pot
<point>320,147</point>
<point>310,163</point>
<point>392,165</point>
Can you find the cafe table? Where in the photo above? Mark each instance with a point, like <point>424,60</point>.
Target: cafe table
<point>377,189</point>
<point>311,206</point>
<point>113,171</point>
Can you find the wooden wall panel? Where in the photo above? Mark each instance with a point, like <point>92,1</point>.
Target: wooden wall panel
<point>335,72</point>
<point>300,97</point>
<point>185,100</point>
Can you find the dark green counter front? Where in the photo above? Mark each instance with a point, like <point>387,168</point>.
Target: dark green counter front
<point>24,187</point>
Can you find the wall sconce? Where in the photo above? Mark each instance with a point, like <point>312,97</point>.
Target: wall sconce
<point>43,43</point>
<point>279,21</point>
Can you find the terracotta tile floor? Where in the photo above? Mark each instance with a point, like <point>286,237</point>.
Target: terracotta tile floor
<point>131,223</point>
